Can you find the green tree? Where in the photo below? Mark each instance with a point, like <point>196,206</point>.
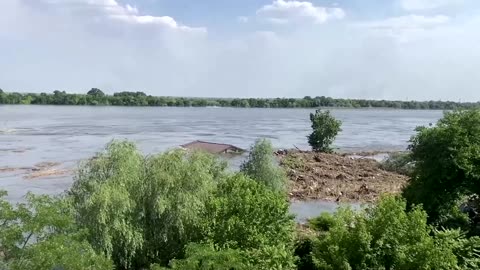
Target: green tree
<point>262,166</point>
<point>61,252</point>
<point>142,210</point>
<point>245,215</point>
<point>325,129</point>
<point>447,162</point>
<point>41,234</point>
<point>95,92</point>
<point>39,218</point>
<point>387,236</point>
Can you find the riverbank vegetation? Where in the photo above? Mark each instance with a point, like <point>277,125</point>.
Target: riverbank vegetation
<point>185,210</point>
<point>97,97</point>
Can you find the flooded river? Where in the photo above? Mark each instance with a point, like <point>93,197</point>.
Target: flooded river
<point>31,136</point>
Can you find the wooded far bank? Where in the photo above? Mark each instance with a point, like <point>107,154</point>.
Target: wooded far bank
<point>96,96</point>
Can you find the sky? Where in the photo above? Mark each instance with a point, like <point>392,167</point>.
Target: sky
<point>375,49</point>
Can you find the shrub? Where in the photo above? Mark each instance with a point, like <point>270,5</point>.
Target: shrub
<point>248,227</point>
<point>207,257</point>
<point>62,252</point>
<point>385,236</point>
<point>39,218</point>
<point>325,129</point>
<point>262,166</point>
<point>41,234</point>
<point>246,215</point>
<point>303,251</point>
<point>447,162</point>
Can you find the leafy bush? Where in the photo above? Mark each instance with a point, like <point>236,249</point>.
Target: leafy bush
<point>325,129</point>
<point>466,250</point>
<point>262,166</point>
<point>386,236</point>
<point>322,223</point>
<point>245,215</point>
<point>207,257</point>
<point>447,162</point>
<point>303,250</point>
<point>39,218</point>
<point>141,210</point>
<point>62,252</point>
<point>41,234</point>
<point>399,162</point>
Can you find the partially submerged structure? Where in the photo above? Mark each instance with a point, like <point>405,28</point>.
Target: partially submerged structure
<point>213,148</point>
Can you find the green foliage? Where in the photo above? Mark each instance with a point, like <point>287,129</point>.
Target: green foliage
<point>207,257</point>
<point>39,218</point>
<point>303,251</point>
<point>41,234</point>
<point>322,223</point>
<point>62,252</point>
<point>95,92</point>
<point>244,214</point>
<point>325,129</point>
<point>466,250</point>
<point>97,97</point>
<point>385,236</point>
<point>262,166</point>
<point>141,210</point>
<point>399,162</point>
<point>447,162</point>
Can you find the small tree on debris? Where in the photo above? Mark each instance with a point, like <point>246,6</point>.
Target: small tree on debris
<point>262,167</point>
<point>325,129</point>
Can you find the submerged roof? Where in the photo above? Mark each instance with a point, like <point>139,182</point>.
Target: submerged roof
<point>214,148</point>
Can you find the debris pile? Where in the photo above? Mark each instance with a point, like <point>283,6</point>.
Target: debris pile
<point>334,177</point>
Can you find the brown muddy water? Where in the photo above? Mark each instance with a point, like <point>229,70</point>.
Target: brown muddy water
<point>63,135</point>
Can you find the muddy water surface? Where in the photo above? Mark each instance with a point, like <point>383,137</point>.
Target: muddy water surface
<point>32,135</point>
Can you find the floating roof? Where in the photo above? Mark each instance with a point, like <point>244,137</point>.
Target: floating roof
<point>214,148</point>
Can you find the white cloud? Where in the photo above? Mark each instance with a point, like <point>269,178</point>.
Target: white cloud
<point>405,28</point>
<point>408,22</point>
<point>284,11</point>
<point>242,19</point>
<point>46,45</point>
<point>108,10</point>
<point>413,5</point>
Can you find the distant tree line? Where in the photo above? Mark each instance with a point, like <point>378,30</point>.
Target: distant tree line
<point>96,97</point>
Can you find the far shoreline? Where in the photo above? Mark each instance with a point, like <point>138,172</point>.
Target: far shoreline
<point>96,97</point>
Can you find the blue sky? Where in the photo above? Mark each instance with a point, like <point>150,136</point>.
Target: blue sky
<point>398,49</point>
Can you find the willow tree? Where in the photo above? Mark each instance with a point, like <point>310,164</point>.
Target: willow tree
<point>141,210</point>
